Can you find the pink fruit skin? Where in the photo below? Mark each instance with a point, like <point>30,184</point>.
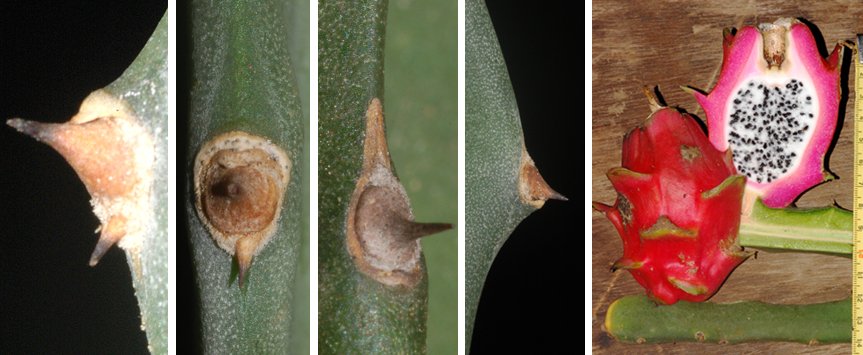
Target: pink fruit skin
<point>678,225</point>
<point>743,58</point>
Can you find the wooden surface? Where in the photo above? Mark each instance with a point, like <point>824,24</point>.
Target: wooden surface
<point>679,43</point>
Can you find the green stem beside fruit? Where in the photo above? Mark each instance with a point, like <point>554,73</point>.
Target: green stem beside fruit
<point>820,230</point>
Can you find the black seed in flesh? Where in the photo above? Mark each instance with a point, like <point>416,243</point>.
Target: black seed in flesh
<point>767,127</point>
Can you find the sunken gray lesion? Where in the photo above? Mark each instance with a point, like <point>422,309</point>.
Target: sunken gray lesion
<point>768,126</point>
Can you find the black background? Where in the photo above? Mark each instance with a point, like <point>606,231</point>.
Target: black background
<point>52,55</point>
<point>532,297</point>
<point>188,298</point>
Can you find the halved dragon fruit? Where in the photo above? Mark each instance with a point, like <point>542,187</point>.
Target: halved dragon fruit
<point>677,208</point>
<point>775,105</point>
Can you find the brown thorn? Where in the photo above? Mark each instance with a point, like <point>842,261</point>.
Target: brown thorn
<point>417,230</point>
<point>102,247</point>
<point>532,188</point>
<point>241,274</point>
<point>39,131</point>
<point>246,248</point>
<point>554,195</point>
<point>95,149</point>
<point>113,232</point>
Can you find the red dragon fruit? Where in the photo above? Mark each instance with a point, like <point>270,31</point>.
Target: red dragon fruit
<point>775,105</point>
<point>677,208</point>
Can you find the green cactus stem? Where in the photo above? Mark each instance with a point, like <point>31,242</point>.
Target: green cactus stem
<point>636,319</point>
<point>372,278</point>
<point>503,186</point>
<point>145,87</point>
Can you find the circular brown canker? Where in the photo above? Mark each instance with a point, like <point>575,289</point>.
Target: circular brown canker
<point>239,200</point>
<point>240,182</point>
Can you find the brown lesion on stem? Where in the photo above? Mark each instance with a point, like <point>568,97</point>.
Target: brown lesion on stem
<point>382,236</point>
<point>532,188</point>
<point>240,198</point>
<point>113,155</point>
<point>240,183</point>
